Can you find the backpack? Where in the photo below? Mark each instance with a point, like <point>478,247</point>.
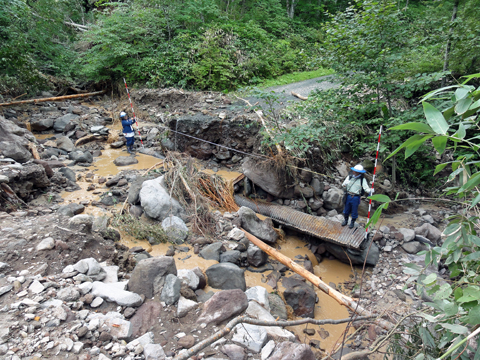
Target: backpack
<point>362,191</point>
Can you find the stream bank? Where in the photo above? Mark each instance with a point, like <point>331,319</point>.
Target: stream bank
<point>104,187</point>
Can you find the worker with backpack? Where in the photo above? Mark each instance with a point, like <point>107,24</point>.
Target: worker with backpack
<point>355,186</point>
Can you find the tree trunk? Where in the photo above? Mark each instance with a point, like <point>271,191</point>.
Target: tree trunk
<point>449,40</point>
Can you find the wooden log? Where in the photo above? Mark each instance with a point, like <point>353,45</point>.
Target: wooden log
<point>34,151</point>
<point>299,96</point>
<point>34,101</point>
<point>316,281</point>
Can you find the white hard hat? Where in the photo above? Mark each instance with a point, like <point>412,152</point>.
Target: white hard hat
<point>123,114</point>
<point>358,168</point>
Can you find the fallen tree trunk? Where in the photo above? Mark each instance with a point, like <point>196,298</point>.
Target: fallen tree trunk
<point>315,280</point>
<point>34,101</point>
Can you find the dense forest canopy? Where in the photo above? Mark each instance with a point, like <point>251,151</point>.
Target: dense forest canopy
<point>226,44</point>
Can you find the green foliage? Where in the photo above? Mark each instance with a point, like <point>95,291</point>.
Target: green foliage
<point>138,229</point>
<point>294,77</point>
<point>452,126</point>
<point>35,42</point>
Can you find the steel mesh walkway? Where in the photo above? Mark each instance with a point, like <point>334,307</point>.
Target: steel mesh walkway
<point>322,228</point>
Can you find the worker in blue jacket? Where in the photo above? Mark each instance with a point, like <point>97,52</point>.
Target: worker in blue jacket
<point>128,131</point>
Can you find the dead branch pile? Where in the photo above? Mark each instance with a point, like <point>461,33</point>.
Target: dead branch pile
<point>198,192</point>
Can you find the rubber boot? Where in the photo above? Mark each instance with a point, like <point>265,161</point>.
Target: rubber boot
<point>129,149</point>
<point>345,222</point>
<point>352,224</point>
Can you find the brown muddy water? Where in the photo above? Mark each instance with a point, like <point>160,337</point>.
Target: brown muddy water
<point>331,271</point>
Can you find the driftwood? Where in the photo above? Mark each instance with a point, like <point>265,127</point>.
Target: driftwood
<point>299,96</point>
<point>34,101</point>
<point>8,195</point>
<point>34,151</point>
<point>315,280</point>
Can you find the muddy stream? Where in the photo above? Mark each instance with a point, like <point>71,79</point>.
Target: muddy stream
<point>331,271</point>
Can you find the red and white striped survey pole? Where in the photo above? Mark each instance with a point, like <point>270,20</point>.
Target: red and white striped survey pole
<point>133,111</point>
<point>373,180</point>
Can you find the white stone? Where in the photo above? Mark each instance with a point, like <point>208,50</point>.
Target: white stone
<point>36,287</point>
<point>175,228</point>
<point>260,295</point>
<point>253,337</point>
<point>120,328</point>
<point>68,343</point>
<point>189,277</point>
<point>268,349</point>
<point>96,302</point>
<point>112,274</point>
<point>60,313</point>
<point>236,234</point>
<point>112,293</point>
<point>68,269</point>
<point>408,234</point>
<point>82,314</point>
<point>184,306</point>
<point>143,340</point>
<point>103,357</point>
<point>46,244</point>
<point>77,347</point>
<point>93,324</point>
<point>153,352</point>
<point>85,287</point>
<point>256,311</point>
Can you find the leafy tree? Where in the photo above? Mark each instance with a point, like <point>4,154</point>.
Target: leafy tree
<point>452,125</point>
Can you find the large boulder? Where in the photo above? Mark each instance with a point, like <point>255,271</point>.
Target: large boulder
<point>256,256</point>
<point>28,179</point>
<point>430,232</point>
<point>134,190</point>
<point>14,141</point>
<point>222,306</point>
<point>79,156</point>
<point>64,143</point>
<point>175,229</point>
<point>125,160</point>
<point>271,178</point>
<point>226,276</point>
<point>156,200</point>
<point>41,124</point>
<point>333,199</point>
<point>149,275</point>
<point>300,296</point>
<point>263,229</point>
<point>61,123</point>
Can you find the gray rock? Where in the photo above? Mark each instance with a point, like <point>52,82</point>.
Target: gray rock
<point>236,234</point>
<point>134,190</point>
<point>256,256</point>
<point>156,200</point>
<point>264,230</point>
<point>317,186</point>
<point>136,211</point>
<point>68,294</point>
<point>91,268</point>
<point>222,306</point>
<point>226,276</point>
<point>148,277</point>
<point>46,244</point>
<point>231,256</point>
<point>117,144</point>
<point>64,143</point>
<point>333,199</point>
<point>430,232</point>
<point>408,234</point>
<point>97,128</point>
<point>171,289</point>
<point>61,123</point>
<point>70,209</point>
<point>68,173</point>
<point>15,150</point>
<point>5,289</point>
<point>274,181</point>
<point>81,222</point>
<point>125,161</point>
<point>277,306</point>
<point>414,247</point>
<point>81,156</point>
<point>111,292</point>
<point>256,311</point>
<point>175,229</point>
<point>212,251</point>
<point>357,257</point>
<point>41,124</point>
<point>234,352</point>
<point>300,296</point>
